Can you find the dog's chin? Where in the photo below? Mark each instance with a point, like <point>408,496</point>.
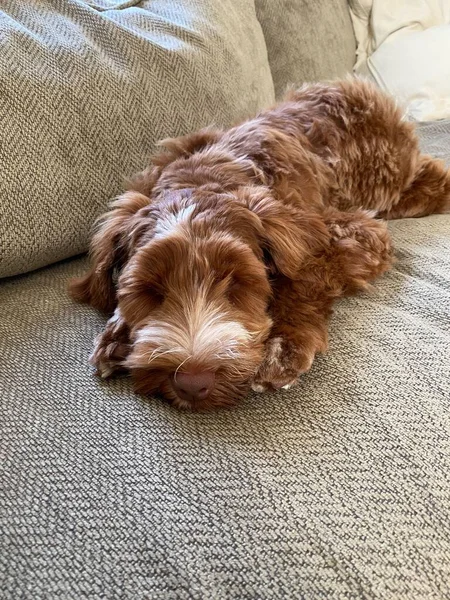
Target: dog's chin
<point>157,383</point>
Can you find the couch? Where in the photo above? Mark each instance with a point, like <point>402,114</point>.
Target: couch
<point>339,488</point>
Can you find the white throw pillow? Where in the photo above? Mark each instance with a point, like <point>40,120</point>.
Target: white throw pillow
<point>404,46</point>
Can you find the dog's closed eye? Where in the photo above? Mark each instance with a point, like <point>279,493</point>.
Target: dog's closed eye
<point>232,287</point>
<point>236,285</point>
<point>157,294</point>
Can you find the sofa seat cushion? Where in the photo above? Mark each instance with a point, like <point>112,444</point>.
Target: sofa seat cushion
<point>87,88</point>
<point>338,488</point>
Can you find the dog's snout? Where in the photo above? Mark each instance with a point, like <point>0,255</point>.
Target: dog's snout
<point>193,386</point>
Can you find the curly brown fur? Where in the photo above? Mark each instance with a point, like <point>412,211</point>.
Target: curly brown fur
<point>223,260</point>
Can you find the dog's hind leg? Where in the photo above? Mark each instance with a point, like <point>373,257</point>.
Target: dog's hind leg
<point>359,251</point>
<point>427,194</point>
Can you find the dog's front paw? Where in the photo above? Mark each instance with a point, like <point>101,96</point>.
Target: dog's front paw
<point>111,347</point>
<point>283,364</point>
<point>107,358</point>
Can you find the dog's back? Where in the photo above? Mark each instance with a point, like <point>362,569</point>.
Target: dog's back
<point>343,144</point>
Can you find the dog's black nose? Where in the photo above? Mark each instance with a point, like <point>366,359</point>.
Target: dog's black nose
<point>193,386</point>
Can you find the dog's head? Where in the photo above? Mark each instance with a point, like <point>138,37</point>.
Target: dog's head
<point>194,287</point>
<point>196,293</point>
<point>198,312</point>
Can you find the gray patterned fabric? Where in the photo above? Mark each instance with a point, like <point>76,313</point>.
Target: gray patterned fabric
<point>87,88</point>
<point>434,139</point>
<point>337,489</point>
<point>307,40</point>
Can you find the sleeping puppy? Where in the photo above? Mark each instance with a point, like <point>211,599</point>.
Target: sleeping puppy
<point>221,263</point>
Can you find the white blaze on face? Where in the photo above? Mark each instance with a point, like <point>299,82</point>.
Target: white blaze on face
<point>169,223</point>
<point>200,332</point>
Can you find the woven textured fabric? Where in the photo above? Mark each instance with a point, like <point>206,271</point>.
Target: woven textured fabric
<point>338,489</point>
<point>87,88</point>
<point>434,139</point>
<point>307,40</point>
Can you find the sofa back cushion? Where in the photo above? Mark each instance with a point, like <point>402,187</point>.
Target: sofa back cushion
<point>86,90</point>
<point>307,40</point>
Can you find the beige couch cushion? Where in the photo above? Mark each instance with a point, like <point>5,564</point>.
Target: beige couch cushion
<point>337,489</point>
<point>85,92</point>
<point>309,40</point>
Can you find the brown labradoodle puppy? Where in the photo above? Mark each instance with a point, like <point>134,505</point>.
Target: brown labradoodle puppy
<point>221,263</point>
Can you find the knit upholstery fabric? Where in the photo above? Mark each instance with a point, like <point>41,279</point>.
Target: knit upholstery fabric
<point>336,489</point>
<point>88,88</point>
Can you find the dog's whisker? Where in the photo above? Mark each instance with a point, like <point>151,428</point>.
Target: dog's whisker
<point>155,355</point>
<point>179,367</point>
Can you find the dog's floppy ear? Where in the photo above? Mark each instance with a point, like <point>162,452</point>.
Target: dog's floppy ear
<point>107,253</point>
<point>288,234</point>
